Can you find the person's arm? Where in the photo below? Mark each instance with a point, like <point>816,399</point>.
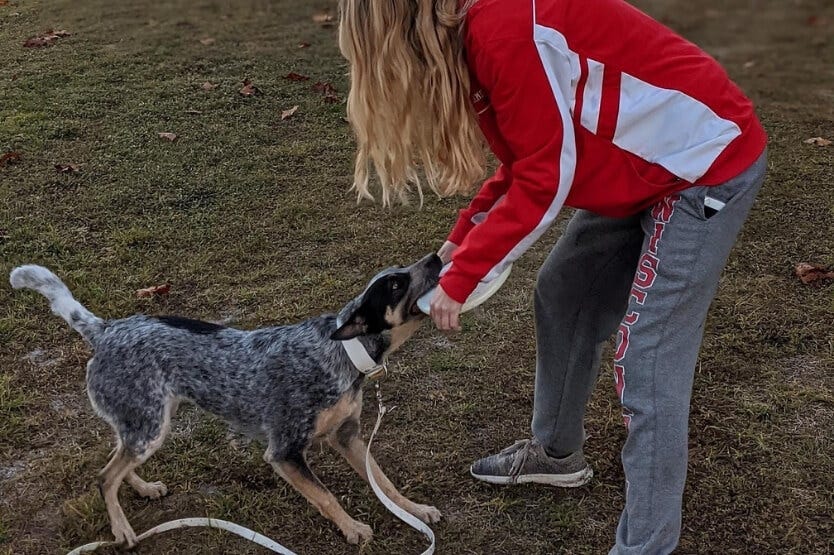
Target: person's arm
<point>533,116</point>
<point>490,193</point>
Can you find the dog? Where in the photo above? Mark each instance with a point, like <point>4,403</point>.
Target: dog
<point>288,386</point>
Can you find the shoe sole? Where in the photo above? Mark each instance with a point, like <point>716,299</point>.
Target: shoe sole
<point>573,480</point>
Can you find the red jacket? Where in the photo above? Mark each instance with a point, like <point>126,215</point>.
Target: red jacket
<point>590,104</point>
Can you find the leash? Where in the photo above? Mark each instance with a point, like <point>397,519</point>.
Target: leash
<point>400,513</point>
<point>275,547</point>
<point>201,522</point>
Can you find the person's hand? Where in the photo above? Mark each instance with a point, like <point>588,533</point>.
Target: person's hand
<point>445,252</point>
<point>445,311</point>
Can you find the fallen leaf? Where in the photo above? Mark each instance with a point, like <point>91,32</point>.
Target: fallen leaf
<point>155,291</point>
<point>288,113</point>
<point>67,168</point>
<point>818,141</point>
<point>293,76</point>
<point>10,158</point>
<point>816,21</point>
<point>324,19</point>
<point>812,273</point>
<point>46,39</point>
<point>168,136</point>
<point>327,90</point>
<point>209,86</point>
<point>4,2</point>
<point>193,112</point>
<point>249,89</point>
<point>207,41</point>
<point>303,44</point>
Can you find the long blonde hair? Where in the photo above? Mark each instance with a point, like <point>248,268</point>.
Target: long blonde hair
<point>409,96</point>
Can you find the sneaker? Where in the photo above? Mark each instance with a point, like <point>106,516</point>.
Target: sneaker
<point>527,462</point>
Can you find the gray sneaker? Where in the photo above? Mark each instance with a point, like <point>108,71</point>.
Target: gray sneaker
<point>526,461</point>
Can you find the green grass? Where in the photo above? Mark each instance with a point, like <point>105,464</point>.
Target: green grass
<point>249,218</point>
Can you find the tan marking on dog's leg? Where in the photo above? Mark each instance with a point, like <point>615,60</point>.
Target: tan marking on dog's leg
<point>401,334</point>
<point>154,490</point>
<point>355,452</point>
<point>329,419</point>
<point>306,483</point>
<point>151,490</point>
<point>110,479</point>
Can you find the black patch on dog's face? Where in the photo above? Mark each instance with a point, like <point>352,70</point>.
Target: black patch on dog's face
<point>187,324</point>
<point>389,300</point>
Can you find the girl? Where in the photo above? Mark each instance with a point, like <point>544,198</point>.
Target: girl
<point>589,104</point>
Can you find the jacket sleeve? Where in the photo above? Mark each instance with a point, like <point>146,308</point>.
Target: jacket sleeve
<point>491,192</point>
<point>528,86</point>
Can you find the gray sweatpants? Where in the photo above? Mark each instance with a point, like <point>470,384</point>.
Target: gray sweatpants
<point>651,278</point>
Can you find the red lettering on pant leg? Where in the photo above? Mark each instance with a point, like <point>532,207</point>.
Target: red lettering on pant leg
<point>619,380</point>
<point>638,295</point>
<point>646,271</point>
<point>663,210</point>
<point>622,335</point>
<point>655,238</point>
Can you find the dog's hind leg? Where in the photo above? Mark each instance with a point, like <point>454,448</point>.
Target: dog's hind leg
<point>154,490</point>
<point>110,479</point>
<point>151,490</point>
<point>347,441</point>
<point>294,469</point>
<point>132,450</point>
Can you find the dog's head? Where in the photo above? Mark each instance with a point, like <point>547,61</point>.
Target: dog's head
<point>390,300</point>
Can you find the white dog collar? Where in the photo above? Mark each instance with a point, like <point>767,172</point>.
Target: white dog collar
<point>360,358</point>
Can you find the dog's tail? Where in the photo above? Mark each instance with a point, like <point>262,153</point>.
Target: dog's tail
<point>61,301</point>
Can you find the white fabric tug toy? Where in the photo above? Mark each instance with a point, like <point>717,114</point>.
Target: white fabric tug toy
<point>482,292</point>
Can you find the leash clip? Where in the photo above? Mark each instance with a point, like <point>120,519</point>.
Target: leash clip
<point>378,372</point>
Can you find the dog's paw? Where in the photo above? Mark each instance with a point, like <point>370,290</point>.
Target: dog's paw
<point>153,490</point>
<point>355,532</point>
<point>426,513</point>
<point>123,534</point>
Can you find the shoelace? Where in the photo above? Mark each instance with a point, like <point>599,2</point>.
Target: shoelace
<point>521,451</point>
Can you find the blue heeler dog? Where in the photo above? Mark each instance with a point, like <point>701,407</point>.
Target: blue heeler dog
<point>289,386</point>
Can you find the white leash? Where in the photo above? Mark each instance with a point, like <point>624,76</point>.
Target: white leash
<point>406,517</point>
<point>275,547</point>
<point>201,522</point>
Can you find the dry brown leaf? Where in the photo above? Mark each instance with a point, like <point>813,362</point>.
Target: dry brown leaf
<point>293,76</point>
<point>4,2</point>
<point>207,41</point>
<point>812,273</point>
<point>818,141</point>
<point>67,168</point>
<point>207,86</point>
<point>288,113</point>
<point>155,291</point>
<point>168,136</point>
<point>45,39</point>
<point>327,90</point>
<point>10,158</point>
<point>303,44</point>
<point>249,89</point>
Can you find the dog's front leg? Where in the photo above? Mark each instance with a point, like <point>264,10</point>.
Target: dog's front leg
<point>348,442</point>
<point>294,469</point>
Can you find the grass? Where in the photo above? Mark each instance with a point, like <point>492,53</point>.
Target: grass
<point>249,218</point>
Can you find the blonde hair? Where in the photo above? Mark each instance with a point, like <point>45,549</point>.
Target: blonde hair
<point>409,96</point>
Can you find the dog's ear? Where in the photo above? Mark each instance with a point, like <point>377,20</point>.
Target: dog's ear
<point>354,327</point>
